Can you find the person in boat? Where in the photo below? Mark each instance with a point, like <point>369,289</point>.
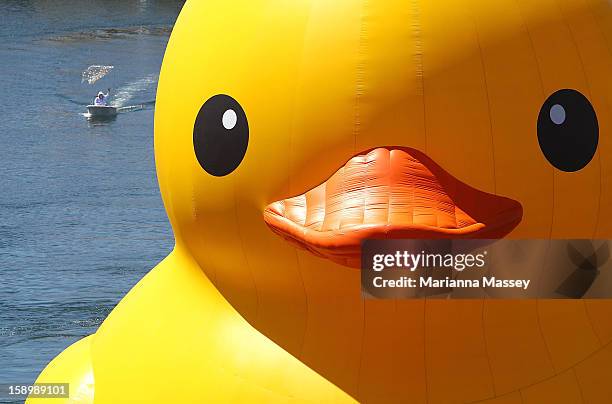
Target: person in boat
<point>102,99</point>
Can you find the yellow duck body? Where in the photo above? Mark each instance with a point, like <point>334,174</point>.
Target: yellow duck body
<point>237,314</point>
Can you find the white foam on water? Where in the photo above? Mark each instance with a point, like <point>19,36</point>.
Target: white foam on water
<point>121,97</point>
<point>130,108</point>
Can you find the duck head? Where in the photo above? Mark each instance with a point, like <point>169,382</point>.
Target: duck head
<point>328,122</point>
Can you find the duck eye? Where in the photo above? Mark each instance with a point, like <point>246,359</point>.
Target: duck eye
<point>220,135</point>
<point>568,131</point>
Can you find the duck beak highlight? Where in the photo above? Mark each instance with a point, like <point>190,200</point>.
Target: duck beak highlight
<point>387,193</point>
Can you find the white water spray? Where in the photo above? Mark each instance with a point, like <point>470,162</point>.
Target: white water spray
<point>94,73</point>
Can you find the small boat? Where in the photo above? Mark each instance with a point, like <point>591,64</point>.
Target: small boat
<point>101,111</point>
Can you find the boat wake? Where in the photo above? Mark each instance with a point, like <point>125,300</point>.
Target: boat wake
<point>125,94</point>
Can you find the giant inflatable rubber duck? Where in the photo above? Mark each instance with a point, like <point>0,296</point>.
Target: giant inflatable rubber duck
<point>286,132</point>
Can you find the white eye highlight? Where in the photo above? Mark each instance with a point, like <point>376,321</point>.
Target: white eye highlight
<point>557,114</point>
<point>229,119</point>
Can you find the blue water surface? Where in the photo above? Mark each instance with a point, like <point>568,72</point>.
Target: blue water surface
<point>81,218</point>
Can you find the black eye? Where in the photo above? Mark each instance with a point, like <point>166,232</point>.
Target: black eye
<point>568,131</point>
<point>220,135</point>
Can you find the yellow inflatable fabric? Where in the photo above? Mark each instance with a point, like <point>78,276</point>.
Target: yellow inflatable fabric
<point>261,102</point>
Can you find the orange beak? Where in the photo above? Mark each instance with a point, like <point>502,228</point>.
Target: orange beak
<point>388,192</point>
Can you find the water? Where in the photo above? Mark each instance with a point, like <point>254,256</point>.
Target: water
<point>81,219</point>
